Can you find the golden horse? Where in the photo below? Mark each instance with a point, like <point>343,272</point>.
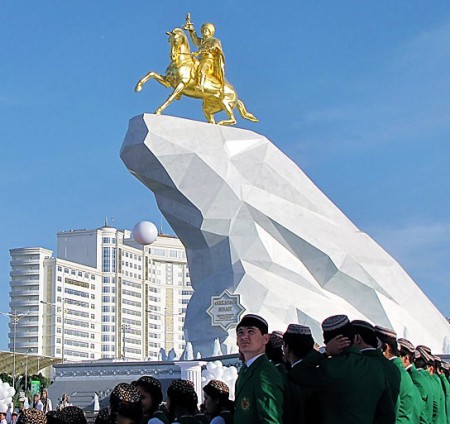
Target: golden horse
<point>181,75</point>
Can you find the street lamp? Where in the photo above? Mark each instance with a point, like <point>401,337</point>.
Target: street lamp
<point>15,318</point>
<point>63,320</point>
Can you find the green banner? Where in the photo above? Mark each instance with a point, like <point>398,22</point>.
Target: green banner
<point>35,387</point>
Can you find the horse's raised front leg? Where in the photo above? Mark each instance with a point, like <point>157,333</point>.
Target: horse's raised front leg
<point>178,91</point>
<point>158,77</point>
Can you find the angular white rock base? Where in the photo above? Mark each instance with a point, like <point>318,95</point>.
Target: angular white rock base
<point>253,223</point>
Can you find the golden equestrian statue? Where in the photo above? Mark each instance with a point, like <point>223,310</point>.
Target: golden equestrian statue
<point>200,75</point>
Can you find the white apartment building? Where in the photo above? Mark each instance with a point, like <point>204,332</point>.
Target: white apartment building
<point>102,296</point>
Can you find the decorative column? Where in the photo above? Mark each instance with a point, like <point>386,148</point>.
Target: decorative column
<point>192,371</point>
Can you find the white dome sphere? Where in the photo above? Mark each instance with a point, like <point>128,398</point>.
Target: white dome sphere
<point>145,232</point>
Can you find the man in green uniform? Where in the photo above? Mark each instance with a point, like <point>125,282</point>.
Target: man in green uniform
<point>304,379</point>
<point>425,360</point>
<point>355,385</point>
<point>259,387</point>
<point>409,404</point>
<point>445,385</point>
<point>366,341</point>
<point>407,350</point>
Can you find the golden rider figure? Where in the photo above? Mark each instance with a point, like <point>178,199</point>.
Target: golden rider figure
<point>210,55</point>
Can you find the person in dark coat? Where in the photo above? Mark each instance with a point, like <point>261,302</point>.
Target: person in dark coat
<point>367,343</point>
<point>355,385</point>
<point>304,379</point>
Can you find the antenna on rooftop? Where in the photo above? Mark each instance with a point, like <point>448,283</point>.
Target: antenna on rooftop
<point>161,225</point>
<point>106,222</point>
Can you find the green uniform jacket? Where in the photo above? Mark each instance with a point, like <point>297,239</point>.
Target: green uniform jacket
<point>259,394</point>
<point>410,405</point>
<point>391,372</point>
<point>425,389</point>
<point>446,387</point>
<point>355,389</point>
<point>306,383</point>
<point>439,401</point>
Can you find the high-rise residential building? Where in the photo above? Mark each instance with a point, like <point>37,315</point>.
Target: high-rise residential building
<point>102,296</point>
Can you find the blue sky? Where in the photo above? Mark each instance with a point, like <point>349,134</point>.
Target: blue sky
<point>357,93</point>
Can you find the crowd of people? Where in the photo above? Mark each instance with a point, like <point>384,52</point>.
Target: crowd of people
<point>362,375</point>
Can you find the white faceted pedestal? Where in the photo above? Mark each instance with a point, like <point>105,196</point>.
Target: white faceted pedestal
<point>253,223</point>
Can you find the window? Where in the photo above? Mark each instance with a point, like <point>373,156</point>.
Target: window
<point>131,303</point>
<point>131,293</point>
<point>59,279</point>
<point>77,323</point>
<point>76,333</point>
<point>131,312</point>
<point>60,268</point>
<point>59,288</point>
<point>76,343</point>
<point>76,292</point>
<point>77,313</point>
<point>109,259</point>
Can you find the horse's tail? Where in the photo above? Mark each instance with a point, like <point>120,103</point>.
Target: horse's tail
<point>243,111</point>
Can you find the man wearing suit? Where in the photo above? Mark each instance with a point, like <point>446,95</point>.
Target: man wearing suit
<point>424,386</point>
<point>367,342</point>
<point>356,385</point>
<point>305,381</point>
<point>410,407</point>
<point>259,387</point>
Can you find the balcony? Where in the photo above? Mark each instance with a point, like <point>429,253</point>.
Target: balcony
<point>25,282</point>
<point>24,292</point>
<point>21,303</point>
<point>20,262</point>
<point>22,272</point>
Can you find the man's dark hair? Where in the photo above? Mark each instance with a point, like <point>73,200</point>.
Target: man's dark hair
<point>275,354</point>
<point>391,342</point>
<point>404,352</point>
<point>420,363</point>
<point>299,344</point>
<point>367,335</point>
<point>346,331</point>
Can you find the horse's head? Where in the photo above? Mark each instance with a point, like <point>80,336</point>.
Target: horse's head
<point>179,43</point>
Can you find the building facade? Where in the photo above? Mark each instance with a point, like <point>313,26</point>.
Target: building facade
<point>103,296</point>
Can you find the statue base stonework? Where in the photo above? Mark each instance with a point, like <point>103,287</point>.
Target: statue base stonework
<point>254,224</point>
